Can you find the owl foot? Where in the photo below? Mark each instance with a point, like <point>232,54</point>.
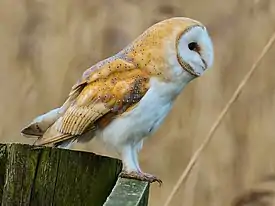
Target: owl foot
<point>140,176</point>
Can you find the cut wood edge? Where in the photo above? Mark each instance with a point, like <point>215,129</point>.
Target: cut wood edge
<point>130,191</point>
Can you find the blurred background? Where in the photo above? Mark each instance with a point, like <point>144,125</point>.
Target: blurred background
<point>46,45</point>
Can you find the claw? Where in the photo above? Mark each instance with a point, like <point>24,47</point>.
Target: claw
<point>140,176</point>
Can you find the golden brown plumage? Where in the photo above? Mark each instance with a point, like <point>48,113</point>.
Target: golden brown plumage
<point>95,99</point>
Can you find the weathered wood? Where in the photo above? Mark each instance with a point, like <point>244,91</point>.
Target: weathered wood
<point>129,192</point>
<point>51,176</point>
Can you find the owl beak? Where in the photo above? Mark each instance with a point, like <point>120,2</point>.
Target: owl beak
<point>199,72</point>
<point>190,70</point>
<point>203,68</point>
<point>205,64</point>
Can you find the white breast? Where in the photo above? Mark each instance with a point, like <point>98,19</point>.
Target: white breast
<point>144,119</point>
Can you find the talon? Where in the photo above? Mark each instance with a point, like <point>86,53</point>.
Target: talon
<point>140,176</point>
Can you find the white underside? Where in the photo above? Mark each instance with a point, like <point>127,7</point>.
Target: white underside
<point>133,126</point>
<point>126,133</point>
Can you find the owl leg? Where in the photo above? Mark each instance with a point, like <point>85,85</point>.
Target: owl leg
<point>128,159</point>
<point>131,167</point>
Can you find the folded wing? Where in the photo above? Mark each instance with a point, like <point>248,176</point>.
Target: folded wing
<point>105,91</point>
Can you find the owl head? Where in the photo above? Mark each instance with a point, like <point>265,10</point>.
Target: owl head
<point>173,48</point>
<point>194,48</point>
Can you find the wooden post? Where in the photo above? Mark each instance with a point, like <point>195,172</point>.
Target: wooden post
<point>132,192</point>
<point>52,176</point>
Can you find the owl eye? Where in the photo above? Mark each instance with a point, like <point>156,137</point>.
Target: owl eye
<point>193,46</point>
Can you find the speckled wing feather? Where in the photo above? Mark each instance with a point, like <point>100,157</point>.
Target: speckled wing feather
<point>105,91</point>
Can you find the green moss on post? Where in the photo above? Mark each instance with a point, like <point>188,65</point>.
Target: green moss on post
<point>3,157</point>
<point>50,176</point>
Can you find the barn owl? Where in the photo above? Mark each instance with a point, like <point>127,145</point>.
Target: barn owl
<point>125,98</point>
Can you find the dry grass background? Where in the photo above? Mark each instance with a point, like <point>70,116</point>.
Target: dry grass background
<point>46,45</point>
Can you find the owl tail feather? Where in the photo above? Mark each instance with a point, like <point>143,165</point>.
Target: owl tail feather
<point>40,124</point>
<point>53,137</point>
